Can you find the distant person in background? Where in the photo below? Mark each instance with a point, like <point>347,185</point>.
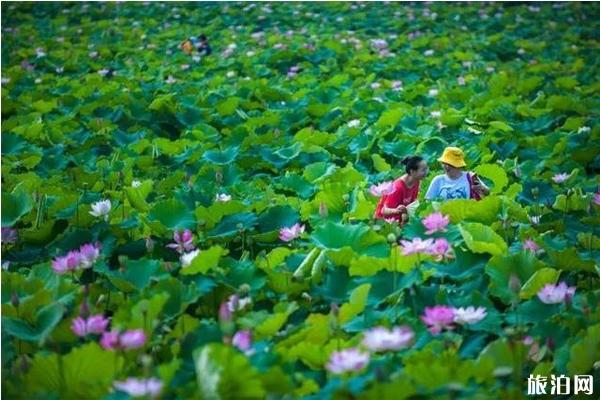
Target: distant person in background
<point>200,44</point>
<point>455,183</point>
<point>204,47</point>
<point>405,191</point>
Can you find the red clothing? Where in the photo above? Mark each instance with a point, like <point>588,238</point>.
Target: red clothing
<point>402,195</point>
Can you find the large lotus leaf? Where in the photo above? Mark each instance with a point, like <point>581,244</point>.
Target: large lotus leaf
<point>585,352</point>
<point>135,276</point>
<point>173,214</point>
<point>14,206</point>
<point>45,320</point>
<point>481,238</point>
<point>232,225</point>
<point>224,373</point>
<point>276,217</point>
<point>205,261</point>
<point>86,372</point>
<point>485,210</point>
<point>137,195</point>
<point>500,269</point>
<point>361,239</point>
<point>495,173</point>
<point>222,157</point>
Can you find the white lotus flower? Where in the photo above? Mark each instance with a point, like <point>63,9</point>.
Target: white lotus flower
<point>187,258</point>
<point>223,197</point>
<point>355,123</point>
<point>136,184</point>
<point>101,209</point>
<point>469,315</point>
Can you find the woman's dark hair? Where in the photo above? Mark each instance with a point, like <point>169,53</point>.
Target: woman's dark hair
<point>411,163</point>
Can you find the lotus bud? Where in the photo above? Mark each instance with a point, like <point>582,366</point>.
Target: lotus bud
<point>391,238</point>
<point>346,197</point>
<point>84,310</point>
<point>146,360</point>
<point>14,300</point>
<point>323,212</point>
<point>550,343</point>
<point>219,176</point>
<point>335,310</point>
<point>100,299</point>
<point>149,244</point>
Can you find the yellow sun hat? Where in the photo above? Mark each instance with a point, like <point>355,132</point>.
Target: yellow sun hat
<point>453,156</point>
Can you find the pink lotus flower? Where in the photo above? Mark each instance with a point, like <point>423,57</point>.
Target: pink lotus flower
<point>597,199</point>
<point>560,178</point>
<point>242,340</point>
<point>136,387</point>
<point>170,80</point>
<point>531,245</point>
<point>347,360</point>
<point>382,189</point>
<point>95,324</point>
<point>59,265</point>
<point>78,326</point>
<point>435,222</point>
<point>461,81</point>
<point>469,315</point>
<point>397,85</point>
<point>416,246</point>
<point>375,85</point>
<point>291,233</point>
<point>438,318</point>
<point>440,249</point>
<point>103,72</point>
<point>382,339</point>
<point>554,294</point>
<point>88,254</point>
<point>183,241</point>
<point>131,339</point>
<point>110,340</point>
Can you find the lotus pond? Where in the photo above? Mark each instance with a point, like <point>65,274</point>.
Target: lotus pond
<point>178,224</point>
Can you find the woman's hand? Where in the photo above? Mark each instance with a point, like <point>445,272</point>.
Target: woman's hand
<point>400,209</point>
<point>479,187</point>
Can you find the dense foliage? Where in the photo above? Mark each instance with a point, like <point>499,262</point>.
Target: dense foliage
<point>205,222</point>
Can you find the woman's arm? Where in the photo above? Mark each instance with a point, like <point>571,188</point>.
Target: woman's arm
<point>387,211</point>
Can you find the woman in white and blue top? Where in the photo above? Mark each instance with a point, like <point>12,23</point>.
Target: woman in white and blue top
<point>455,183</point>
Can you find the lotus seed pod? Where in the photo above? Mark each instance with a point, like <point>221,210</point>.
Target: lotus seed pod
<point>391,238</point>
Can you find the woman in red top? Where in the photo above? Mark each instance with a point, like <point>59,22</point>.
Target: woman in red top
<point>405,191</point>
